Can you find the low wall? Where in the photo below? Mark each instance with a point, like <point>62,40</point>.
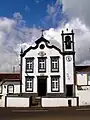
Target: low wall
<point>17,102</point>
<point>58,102</point>
<point>84,97</point>
<point>2,101</point>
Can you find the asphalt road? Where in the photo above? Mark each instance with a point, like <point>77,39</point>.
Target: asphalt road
<point>46,114</point>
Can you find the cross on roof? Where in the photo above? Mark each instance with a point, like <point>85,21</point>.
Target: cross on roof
<point>42,32</point>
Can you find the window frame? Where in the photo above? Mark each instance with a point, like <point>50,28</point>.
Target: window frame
<point>32,81</point>
<point>9,90</point>
<point>88,76</point>
<point>54,69</point>
<point>30,70</point>
<point>40,70</point>
<point>1,89</point>
<point>58,88</point>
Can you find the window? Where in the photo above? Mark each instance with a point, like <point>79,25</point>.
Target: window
<point>42,46</point>
<point>88,75</point>
<point>55,83</point>
<point>29,83</point>
<point>88,78</point>
<point>10,89</point>
<point>54,64</point>
<point>29,64</point>
<point>42,64</point>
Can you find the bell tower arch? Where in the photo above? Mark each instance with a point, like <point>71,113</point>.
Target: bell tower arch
<point>68,41</point>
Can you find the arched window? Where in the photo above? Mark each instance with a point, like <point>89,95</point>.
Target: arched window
<point>10,88</point>
<point>68,42</point>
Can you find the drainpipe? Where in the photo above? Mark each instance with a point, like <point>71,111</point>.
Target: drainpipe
<point>21,71</point>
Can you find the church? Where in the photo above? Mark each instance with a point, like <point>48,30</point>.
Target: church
<point>47,75</point>
<point>48,72</point>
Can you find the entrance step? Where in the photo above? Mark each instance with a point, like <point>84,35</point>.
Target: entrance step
<point>38,97</point>
<point>36,101</point>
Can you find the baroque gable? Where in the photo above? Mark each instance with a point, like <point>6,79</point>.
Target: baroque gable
<point>47,44</point>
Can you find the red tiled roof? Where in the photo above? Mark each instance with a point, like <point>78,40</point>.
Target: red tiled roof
<point>9,76</point>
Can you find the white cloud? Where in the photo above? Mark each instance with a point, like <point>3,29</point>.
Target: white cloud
<point>27,9</point>
<point>54,12</point>
<point>12,38</point>
<point>37,1</point>
<point>82,39</point>
<point>7,37</point>
<point>77,9</point>
<point>11,43</point>
<point>79,20</point>
<point>50,9</point>
<point>78,12</point>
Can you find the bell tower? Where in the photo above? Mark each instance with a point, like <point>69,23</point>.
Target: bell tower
<point>69,62</point>
<point>68,41</point>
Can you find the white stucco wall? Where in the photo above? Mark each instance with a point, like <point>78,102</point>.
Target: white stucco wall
<point>58,102</point>
<point>17,102</point>
<point>2,101</point>
<point>83,95</point>
<point>69,71</point>
<point>49,52</point>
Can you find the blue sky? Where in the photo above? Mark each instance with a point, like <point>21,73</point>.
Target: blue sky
<point>39,13</point>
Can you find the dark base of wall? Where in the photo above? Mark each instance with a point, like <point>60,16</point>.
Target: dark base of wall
<point>29,94</point>
<point>55,95</point>
<point>48,95</point>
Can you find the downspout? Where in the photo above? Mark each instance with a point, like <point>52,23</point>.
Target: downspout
<point>21,72</point>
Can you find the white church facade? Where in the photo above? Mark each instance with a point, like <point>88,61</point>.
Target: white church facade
<point>47,75</point>
<point>48,71</point>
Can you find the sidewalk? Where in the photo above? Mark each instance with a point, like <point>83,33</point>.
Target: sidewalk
<point>42,112</point>
<point>3,109</point>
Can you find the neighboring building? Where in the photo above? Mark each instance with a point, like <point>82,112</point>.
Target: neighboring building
<point>9,84</point>
<point>83,75</point>
<point>83,84</point>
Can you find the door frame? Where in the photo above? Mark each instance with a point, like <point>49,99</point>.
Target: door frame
<point>42,77</point>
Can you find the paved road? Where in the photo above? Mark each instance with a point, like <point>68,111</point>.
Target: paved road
<point>46,114</point>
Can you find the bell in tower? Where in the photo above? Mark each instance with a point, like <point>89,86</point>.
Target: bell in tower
<point>68,42</point>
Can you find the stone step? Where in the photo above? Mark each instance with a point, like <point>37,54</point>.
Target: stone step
<point>38,97</point>
<point>36,106</point>
<point>37,100</point>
